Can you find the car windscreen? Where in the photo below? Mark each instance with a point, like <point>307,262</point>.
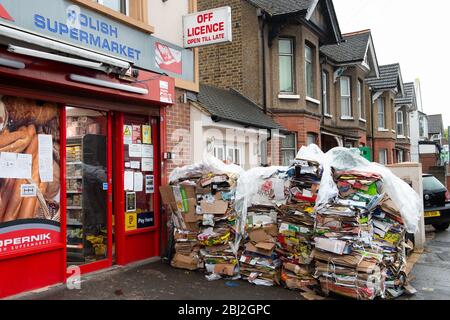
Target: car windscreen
<point>430,183</point>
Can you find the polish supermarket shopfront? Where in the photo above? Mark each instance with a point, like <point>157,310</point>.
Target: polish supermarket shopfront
<point>81,98</point>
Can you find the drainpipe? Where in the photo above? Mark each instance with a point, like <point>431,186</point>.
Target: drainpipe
<point>372,124</point>
<point>262,25</point>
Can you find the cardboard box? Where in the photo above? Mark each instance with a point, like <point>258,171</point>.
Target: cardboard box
<point>191,215</point>
<point>265,249</point>
<point>181,261</point>
<point>330,245</point>
<point>216,207</point>
<point>224,269</point>
<point>259,235</point>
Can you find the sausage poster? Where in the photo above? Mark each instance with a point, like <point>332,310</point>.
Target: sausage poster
<point>29,173</point>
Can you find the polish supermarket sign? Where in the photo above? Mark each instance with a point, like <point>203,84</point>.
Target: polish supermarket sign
<point>207,27</point>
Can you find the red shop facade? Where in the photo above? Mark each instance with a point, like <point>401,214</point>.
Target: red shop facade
<point>80,163</point>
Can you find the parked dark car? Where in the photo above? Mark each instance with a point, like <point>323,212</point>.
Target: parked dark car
<point>436,200</point>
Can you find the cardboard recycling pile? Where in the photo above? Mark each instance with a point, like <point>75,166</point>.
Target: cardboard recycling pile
<point>203,218</point>
<point>359,251</point>
<point>296,225</point>
<point>336,232</point>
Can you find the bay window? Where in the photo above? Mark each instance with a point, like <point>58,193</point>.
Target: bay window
<point>400,124</point>
<point>309,75</point>
<point>381,114</point>
<point>346,98</point>
<point>326,107</point>
<point>362,111</point>
<point>286,65</point>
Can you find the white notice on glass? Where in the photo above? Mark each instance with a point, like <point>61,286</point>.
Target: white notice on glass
<point>45,157</point>
<point>147,151</point>
<point>24,164</point>
<point>135,165</point>
<point>128,180</point>
<point>135,150</point>
<point>138,182</point>
<point>147,164</point>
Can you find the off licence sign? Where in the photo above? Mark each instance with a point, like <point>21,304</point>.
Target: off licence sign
<point>207,27</point>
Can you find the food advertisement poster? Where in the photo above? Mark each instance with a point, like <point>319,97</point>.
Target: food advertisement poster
<point>29,174</point>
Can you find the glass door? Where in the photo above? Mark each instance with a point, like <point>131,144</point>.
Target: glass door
<point>87,214</point>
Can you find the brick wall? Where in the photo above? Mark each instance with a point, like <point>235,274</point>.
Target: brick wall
<point>387,144</point>
<point>221,65</point>
<point>302,125</point>
<point>178,121</point>
<point>428,161</point>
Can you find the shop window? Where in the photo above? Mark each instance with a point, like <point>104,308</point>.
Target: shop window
<point>346,98</point>
<point>362,111</point>
<point>381,114</point>
<point>29,172</point>
<point>400,124</point>
<point>286,65</point>
<point>382,156</point>
<point>326,106</point>
<point>117,5</point>
<point>288,149</point>
<point>309,71</point>
<point>86,176</point>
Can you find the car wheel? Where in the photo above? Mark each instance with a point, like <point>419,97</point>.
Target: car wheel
<point>441,226</point>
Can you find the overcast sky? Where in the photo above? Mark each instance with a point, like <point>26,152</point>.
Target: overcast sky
<point>411,33</point>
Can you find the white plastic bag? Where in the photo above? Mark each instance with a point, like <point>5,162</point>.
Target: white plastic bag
<point>311,153</point>
<point>406,199</point>
<point>210,164</point>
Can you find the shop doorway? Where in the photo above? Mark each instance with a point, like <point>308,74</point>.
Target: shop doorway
<point>111,182</point>
<point>89,232</point>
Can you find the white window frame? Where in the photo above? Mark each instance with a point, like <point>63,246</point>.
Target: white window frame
<point>400,156</point>
<point>292,149</point>
<point>326,105</point>
<point>127,6</point>
<point>216,152</point>
<point>348,97</point>
<point>362,111</point>
<point>235,158</point>
<point>383,155</point>
<point>400,122</point>
<point>309,77</point>
<point>382,114</point>
<point>308,136</point>
<point>292,56</point>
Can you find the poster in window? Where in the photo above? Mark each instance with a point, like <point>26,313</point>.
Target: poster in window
<point>146,134</point>
<point>131,201</point>
<point>29,215</point>
<point>137,139</point>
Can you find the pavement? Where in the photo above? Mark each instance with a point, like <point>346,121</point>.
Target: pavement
<point>157,280</point>
<point>431,273</point>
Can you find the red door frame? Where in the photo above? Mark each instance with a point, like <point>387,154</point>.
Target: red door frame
<point>105,263</point>
<point>125,253</point>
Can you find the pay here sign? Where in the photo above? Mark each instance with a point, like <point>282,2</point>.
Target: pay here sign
<point>207,27</point>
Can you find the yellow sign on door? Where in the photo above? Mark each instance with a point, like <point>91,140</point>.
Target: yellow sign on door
<point>130,221</point>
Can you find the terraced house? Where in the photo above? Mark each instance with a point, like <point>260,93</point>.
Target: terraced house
<point>345,106</point>
<point>382,136</point>
<point>275,61</point>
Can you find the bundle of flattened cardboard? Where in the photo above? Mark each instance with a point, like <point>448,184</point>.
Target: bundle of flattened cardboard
<point>359,243</point>
<point>203,218</point>
<point>296,225</point>
<point>280,225</point>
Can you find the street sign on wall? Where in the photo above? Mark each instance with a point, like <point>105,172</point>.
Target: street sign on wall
<point>207,27</point>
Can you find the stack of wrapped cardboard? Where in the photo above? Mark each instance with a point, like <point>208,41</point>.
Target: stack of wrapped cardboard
<point>203,218</point>
<point>360,240</point>
<point>296,225</point>
<point>346,261</point>
<point>259,263</point>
